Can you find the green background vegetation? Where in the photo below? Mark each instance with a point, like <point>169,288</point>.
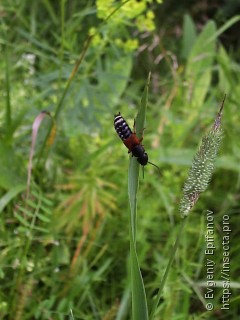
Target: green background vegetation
<point>66,247</point>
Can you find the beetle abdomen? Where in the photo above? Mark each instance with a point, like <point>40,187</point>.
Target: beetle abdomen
<point>121,127</point>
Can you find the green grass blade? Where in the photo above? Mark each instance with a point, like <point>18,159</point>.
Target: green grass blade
<point>71,317</point>
<point>139,301</point>
<point>12,193</point>
<point>133,180</point>
<point>166,272</point>
<point>200,62</point>
<point>133,177</point>
<point>226,26</point>
<point>141,116</point>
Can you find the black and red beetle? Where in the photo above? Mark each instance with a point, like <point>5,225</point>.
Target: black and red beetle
<point>131,141</point>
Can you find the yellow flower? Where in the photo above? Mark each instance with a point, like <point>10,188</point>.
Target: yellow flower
<point>146,23</point>
<point>104,8</point>
<point>131,45</point>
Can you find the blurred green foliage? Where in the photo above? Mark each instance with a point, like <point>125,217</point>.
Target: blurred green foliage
<point>66,247</point>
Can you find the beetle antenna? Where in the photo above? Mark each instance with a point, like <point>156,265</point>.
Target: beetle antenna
<point>143,171</point>
<point>154,165</point>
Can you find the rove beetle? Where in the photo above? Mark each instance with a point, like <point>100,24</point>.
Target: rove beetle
<point>131,140</point>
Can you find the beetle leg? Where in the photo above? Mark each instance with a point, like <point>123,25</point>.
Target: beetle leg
<point>134,126</point>
<point>141,139</point>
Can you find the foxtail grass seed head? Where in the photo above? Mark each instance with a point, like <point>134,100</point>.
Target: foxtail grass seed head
<point>202,168</point>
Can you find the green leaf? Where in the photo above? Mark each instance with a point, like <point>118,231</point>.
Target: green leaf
<point>226,26</point>
<point>22,220</point>
<point>133,181</point>
<point>139,300</point>
<point>226,79</point>
<point>141,116</point>
<point>12,193</point>
<point>189,35</point>
<point>199,65</point>
<point>71,317</point>
<point>43,218</point>
<point>43,230</point>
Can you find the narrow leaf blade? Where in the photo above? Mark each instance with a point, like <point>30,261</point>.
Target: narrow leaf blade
<point>139,301</point>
